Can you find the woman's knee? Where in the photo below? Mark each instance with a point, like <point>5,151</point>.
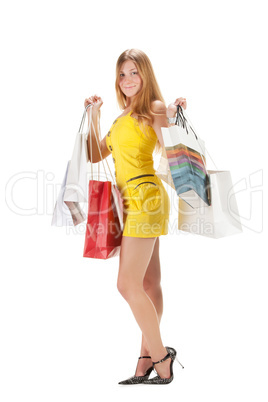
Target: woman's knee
<point>127,287</point>
<point>121,286</point>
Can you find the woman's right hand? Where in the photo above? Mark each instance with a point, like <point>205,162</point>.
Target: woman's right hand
<point>95,101</point>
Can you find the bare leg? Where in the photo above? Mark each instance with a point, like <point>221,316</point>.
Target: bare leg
<point>135,256</point>
<point>152,287</point>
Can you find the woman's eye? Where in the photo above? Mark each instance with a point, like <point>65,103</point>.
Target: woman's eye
<point>133,72</point>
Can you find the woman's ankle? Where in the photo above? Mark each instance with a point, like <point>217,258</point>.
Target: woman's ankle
<point>159,355</point>
<point>144,352</point>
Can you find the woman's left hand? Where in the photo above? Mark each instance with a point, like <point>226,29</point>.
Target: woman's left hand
<point>172,108</point>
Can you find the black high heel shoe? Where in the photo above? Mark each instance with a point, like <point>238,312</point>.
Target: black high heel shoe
<point>159,380</point>
<point>138,379</point>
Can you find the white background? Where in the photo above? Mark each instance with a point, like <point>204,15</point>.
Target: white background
<point>66,333</point>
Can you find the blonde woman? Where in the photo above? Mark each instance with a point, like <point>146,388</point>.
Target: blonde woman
<point>133,137</point>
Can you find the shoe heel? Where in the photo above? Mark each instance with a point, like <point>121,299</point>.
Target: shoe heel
<point>179,362</point>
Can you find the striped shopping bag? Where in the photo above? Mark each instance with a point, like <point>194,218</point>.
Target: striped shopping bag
<point>185,153</point>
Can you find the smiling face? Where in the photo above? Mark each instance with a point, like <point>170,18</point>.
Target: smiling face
<point>130,81</point>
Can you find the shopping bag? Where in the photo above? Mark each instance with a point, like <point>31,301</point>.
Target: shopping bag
<point>104,226</point>
<point>104,222</point>
<point>66,213</point>
<point>218,220</point>
<point>76,182</point>
<point>163,170</point>
<point>186,158</point>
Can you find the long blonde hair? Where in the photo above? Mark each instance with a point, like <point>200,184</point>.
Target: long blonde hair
<point>149,92</point>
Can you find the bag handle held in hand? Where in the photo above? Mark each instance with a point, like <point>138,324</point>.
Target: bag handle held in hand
<point>179,110</point>
<point>98,144</point>
<point>181,120</point>
<point>83,119</point>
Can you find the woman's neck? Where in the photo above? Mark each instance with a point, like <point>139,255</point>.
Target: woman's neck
<point>128,108</point>
<point>129,103</point>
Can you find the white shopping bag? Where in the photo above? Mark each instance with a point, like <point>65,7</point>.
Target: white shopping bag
<point>218,220</point>
<point>76,182</point>
<point>74,189</point>
<point>66,213</point>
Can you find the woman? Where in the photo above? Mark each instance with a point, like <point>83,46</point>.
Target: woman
<point>132,139</point>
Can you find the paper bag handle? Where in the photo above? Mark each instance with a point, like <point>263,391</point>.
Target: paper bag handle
<point>98,144</point>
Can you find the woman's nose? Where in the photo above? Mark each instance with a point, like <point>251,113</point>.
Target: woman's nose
<point>127,80</point>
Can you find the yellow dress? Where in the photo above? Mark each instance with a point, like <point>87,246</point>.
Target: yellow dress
<point>145,199</point>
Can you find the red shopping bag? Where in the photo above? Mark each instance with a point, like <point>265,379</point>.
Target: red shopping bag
<point>104,223</point>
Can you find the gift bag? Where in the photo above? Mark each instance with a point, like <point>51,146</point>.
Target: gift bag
<point>105,215</point>
<point>185,154</point>
<point>218,220</point>
<point>103,231</point>
<point>67,213</point>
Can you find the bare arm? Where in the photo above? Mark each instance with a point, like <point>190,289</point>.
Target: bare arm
<point>95,148</point>
<point>96,103</point>
<point>163,112</point>
<point>160,120</point>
